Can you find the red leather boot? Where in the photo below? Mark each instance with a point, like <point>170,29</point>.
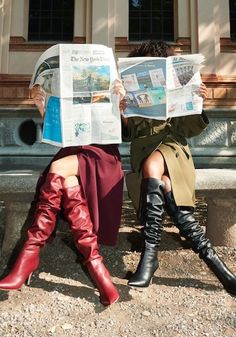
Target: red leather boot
<point>42,227</point>
<point>77,214</point>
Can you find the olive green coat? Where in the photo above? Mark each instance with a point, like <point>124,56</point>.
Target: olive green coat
<point>169,137</point>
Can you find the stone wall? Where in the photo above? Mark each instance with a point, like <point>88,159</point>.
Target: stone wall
<point>20,146</point>
<point>216,146</point>
<point>20,135</point>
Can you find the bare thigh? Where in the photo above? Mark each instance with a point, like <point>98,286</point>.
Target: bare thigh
<point>67,167</point>
<point>155,167</point>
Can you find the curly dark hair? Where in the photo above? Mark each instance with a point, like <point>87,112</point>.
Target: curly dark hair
<point>151,48</point>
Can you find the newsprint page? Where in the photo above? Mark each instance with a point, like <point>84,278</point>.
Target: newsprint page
<point>80,106</point>
<point>161,88</point>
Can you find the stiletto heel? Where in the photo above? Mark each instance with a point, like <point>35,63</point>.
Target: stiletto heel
<point>29,279</point>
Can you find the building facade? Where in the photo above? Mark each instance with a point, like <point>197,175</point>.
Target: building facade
<point>199,26</point>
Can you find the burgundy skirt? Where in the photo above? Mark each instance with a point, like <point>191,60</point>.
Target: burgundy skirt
<point>101,177</point>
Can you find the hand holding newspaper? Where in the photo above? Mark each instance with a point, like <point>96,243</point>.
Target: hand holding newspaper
<point>160,88</point>
<point>81,107</point>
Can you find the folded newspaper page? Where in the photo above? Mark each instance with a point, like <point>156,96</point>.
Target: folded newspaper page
<point>161,88</point>
<point>81,108</point>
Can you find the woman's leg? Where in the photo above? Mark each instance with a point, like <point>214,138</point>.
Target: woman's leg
<point>67,166</point>
<point>62,179</point>
<point>190,229</point>
<point>152,209</point>
<point>43,223</point>
<point>78,217</point>
<point>41,229</point>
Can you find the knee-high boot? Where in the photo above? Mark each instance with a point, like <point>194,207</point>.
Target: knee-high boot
<point>40,230</point>
<point>77,214</point>
<point>191,230</point>
<point>152,209</point>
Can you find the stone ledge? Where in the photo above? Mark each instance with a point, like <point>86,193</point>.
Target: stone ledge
<point>18,184</point>
<point>214,180</point>
<point>207,180</point>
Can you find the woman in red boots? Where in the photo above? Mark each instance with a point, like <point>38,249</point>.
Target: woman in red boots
<point>79,181</point>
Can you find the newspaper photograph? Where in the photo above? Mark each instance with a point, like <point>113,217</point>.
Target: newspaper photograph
<point>161,88</point>
<point>81,108</point>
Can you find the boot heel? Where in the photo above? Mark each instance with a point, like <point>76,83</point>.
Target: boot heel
<point>28,280</point>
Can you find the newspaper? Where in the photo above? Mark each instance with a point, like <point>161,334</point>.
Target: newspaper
<point>161,88</point>
<point>81,108</point>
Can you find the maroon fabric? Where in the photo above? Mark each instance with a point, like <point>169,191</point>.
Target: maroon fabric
<point>101,178</point>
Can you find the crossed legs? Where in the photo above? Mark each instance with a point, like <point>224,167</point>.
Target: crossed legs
<point>61,186</point>
<point>156,193</point>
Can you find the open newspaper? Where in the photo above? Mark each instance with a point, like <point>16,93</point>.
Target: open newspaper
<point>80,106</point>
<point>160,88</point>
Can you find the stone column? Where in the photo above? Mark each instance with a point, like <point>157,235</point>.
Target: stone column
<point>88,23</point>
<point>193,26</point>
<point>208,15</point>
<point>5,26</point>
<point>19,18</point>
<point>221,221</point>
<point>182,18</point>
<point>80,17</point>
<point>103,22</point>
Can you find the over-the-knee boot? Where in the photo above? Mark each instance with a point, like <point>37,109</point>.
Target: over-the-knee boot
<point>40,230</point>
<point>191,230</point>
<point>152,209</point>
<point>77,214</point>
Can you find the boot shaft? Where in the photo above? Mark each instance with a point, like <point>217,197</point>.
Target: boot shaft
<point>77,214</point>
<point>152,209</point>
<point>46,210</point>
<point>51,191</point>
<point>188,226</point>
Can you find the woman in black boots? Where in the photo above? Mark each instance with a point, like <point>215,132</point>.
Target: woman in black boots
<point>163,177</point>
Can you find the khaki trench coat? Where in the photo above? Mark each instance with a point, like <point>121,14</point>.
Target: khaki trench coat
<point>169,137</point>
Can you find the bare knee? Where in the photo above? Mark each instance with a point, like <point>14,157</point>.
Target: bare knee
<point>154,166</point>
<point>66,167</point>
<point>167,182</point>
<point>71,181</point>
<point>55,166</point>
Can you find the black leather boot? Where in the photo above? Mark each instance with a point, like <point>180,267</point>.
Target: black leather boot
<point>190,229</point>
<point>152,209</point>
